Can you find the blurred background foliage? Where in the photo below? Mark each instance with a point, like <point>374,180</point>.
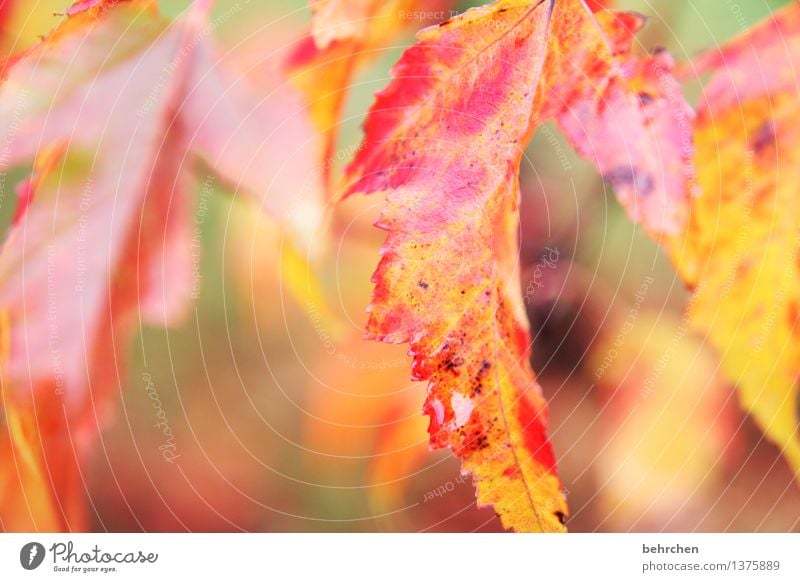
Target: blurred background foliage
<point>285,420</point>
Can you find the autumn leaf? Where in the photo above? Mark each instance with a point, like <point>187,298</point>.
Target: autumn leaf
<point>105,242</point>
<point>442,283</point>
<point>739,251</point>
<point>445,140</point>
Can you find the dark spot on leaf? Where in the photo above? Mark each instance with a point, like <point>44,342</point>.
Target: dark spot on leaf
<point>645,98</point>
<point>423,284</point>
<point>628,177</point>
<point>446,22</point>
<point>764,136</point>
<point>561,517</point>
<point>453,363</point>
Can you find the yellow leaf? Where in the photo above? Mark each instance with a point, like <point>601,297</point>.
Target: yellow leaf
<point>739,251</point>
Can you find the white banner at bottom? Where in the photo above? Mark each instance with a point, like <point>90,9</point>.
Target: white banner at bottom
<point>406,557</point>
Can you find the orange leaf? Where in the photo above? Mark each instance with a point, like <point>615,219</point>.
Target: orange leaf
<point>445,139</point>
